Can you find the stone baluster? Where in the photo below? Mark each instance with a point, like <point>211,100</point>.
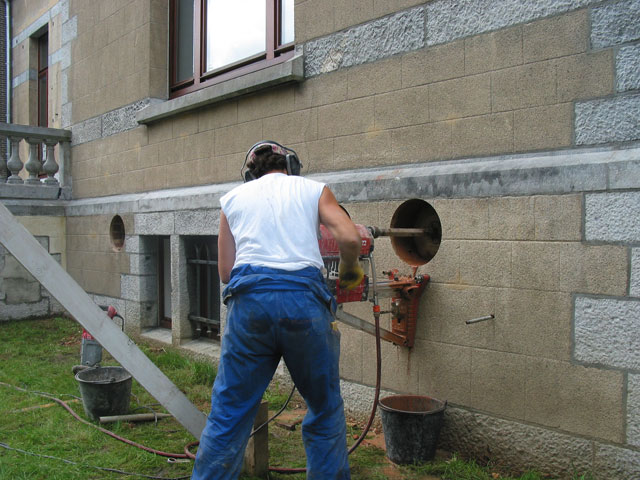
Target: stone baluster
<point>50,166</point>
<point>15,163</point>
<point>3,170</point>
<point>33,165</point>
<point>64,163</point>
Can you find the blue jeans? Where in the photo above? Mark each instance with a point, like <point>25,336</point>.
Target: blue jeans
<point>261,328</point>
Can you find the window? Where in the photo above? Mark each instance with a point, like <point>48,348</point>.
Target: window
<point>43,96</point>
<point>214,40</point>
<point>164,282</point>
<point>203,284</point>
<point>43,80</point>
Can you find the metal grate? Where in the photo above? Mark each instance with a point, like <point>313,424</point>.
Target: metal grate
<point>204,287</point>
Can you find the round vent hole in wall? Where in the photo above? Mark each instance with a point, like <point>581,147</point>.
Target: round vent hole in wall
<point>116,232</point>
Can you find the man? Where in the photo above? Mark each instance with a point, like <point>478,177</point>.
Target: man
<point>278,306</point>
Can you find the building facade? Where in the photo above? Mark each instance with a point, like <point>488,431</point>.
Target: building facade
<point>518,121</point>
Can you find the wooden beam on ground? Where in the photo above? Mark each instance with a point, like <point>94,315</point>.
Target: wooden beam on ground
<point>26,249</point>
<point>256,455</point>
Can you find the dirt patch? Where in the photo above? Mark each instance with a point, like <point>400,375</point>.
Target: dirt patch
<point>290,419</point>
<point>71,341</point>
<point>375,440</point>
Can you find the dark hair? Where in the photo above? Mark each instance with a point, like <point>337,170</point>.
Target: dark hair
<point>266,161</point>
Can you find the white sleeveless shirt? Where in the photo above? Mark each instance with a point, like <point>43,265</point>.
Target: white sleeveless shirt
<point>274,221</point>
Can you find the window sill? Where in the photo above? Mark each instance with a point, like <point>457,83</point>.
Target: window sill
<point>290,71</point>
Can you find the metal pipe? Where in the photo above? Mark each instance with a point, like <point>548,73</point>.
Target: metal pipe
<point>373,277</point>
<point>387,288</point>
<point>135,417</point>
<point>397,232</point>
<point>480,319</point>
<point>366,327</point>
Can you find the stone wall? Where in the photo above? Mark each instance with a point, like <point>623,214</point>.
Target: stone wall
<point>519,121</point>
<point>21,295</point>
<point>92,259</point>
<point>545,243</point>
<point>418,85</point>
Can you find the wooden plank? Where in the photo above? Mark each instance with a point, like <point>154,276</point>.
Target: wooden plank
<point>25,248</point>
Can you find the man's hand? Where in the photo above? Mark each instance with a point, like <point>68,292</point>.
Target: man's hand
<point>350,275</point>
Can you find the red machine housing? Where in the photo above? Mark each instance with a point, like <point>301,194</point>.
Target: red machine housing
<point>404,304</point>
<point>331,257</point>
<point>329,246</point>
<point>111,312</point>
<point>405,291</point>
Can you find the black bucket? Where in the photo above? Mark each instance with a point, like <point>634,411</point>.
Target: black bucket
<point>105,391</point>
<point>411,426</point>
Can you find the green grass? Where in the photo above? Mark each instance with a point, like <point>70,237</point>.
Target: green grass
<point>38,356</point>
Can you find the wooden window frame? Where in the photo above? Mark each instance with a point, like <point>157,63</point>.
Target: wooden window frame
<point>274,53</point>
<point>43,73</point>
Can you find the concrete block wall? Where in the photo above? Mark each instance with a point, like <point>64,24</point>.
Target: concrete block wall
<point>557,271</point>
<point>104,58</point>
<point>114,63</point>
<point>128,278</point>
<point>606,327</point>
<point>561,355</point>
<point>21,295</point>
<point>93,261</point>
<point>549,246</point>
<point>414,85</point>
<point>29,21</point>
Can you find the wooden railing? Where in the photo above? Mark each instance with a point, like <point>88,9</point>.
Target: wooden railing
<point>42,176</point>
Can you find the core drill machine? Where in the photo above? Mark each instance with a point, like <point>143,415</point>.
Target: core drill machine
<point>416,234</point>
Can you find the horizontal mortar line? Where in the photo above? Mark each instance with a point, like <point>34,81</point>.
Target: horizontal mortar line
<point>96,271</point>
<point>556,290</point>
<point>604,296</point>
<point>601,366</point>
<point>610,96</point>
<point>71,253</point>
<point>519,240</point>
<point>488,72</point>
<point>485,349</point>
<point>97,254</point>
<point>527,355</point>
<point>615,243</point>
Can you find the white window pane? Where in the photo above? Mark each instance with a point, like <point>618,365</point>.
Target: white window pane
<point>235,30</point>
<point>286,36</point>
<point>184,36</point>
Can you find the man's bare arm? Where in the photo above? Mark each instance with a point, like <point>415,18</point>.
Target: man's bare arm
<point>226,250</point>
<point>346,234</point>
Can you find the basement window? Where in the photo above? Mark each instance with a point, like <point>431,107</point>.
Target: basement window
<point>164,282</point>
<point>203,284</point>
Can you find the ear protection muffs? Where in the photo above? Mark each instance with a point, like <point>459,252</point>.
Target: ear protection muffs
<point>291,158</point>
